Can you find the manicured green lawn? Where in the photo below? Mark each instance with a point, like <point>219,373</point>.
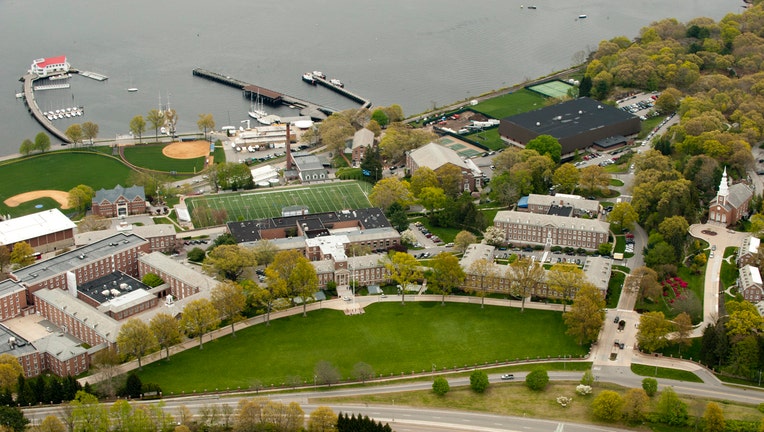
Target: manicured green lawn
<point>151,157</point>
<point>675,374</point>
<point>219,155</point>
<point>728,274</point>
<point>445,234</point>
<point>392,338</point>
<point>614,287</point>
<point>510,104</point>
<point>489,138</point>
<point>60,171</point>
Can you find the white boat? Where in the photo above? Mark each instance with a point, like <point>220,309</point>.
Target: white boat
<point>319,74</point>
<point>256,111</point>
<point>582,16</point>
<point>132,90</point>
<point>308,78</point>
<point>336,82</point>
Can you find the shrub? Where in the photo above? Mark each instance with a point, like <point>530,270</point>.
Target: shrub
<point>650,385</point>
<point>440,386</point>
<point>587,378</point>
<point>537,379</point>
<point>583,390</point>
<point>670,410</point>
<point>564,401</point>
<point>196,255</point>
<point>479,381</point>
<point>608,406</point>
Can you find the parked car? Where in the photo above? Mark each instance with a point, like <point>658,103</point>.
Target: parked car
<point>507,377</point>
<point>617,319</point>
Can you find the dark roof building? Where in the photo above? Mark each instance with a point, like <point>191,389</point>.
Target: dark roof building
<point>120,201</point>
<point>577,124</point>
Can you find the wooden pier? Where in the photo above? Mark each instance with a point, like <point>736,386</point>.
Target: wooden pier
<point>91,75</point>
<point>365,103</point>
<point>32,107</point>
<point>308,109</point>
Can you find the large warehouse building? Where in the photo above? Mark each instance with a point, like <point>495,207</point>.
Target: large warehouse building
<point>577,124</point>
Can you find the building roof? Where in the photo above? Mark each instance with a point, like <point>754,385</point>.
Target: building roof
<point>34,225</point>
<point>50,61</point>
<point>144,231</point>
<point>362,138</point>
<point>249,231</point>
<point>112,195</point>
<point>112,286</point>
<point>20,347</point>
<point>179,271</point>
<point>9,286</point>
<point>535,219</point>
<point>749,276</point>
<point>307,162</point>
<point>104,325</point>
<point>269,94</point>
<point>750,245</point>
<point>597,271</point>
<point>434,156</point>
<point>79,257</point>
<point>265,172</point>
<point>62,346</point>
<point>565,200</point>
<point>739,193</point>
<point>570,118</point>
<point>475,252</point>
<point>333,245</point>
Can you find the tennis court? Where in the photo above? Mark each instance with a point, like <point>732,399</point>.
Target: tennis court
<point>464,149</point>
<point>268,203</point>
<point>554,89</point>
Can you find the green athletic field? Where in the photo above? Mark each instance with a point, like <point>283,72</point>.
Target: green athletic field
<point>510,104</point>
<point>265,203</point>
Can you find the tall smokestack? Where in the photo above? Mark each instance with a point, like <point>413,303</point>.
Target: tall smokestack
<point>289,161</point>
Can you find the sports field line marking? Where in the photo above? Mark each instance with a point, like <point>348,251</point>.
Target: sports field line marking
<point>272,192</point>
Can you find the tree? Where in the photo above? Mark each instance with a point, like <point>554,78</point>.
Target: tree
<point>304,282</point>
<point>608,406</point>
<point>205,122</point>
<point>27,147</point>
<point>524,276</point>
<point>229,300</point>
<point>363,371</point>
<point>166,330</point>
<point>22,254</point>
<point>335,131</point>
<point>152,279</point>
<point>12,418</point>
<point>196,254</point>
<point>432,198</point>
<point>42,141</point>
<point>5,258</point>
<point>397,216</point>
<point>380,117</point>
<point>51,423</point>
<point>440,386</point>
<point>80,197</point>
<point>135,339</point>
<point>674,231</point>
<point>713,418</point>
<point>485,272</point>
<point>670,409</point>
<point>156,120</point>
<point>650,386</point>
<point>565,279</point>
<point>537,379</point>
<point>494,236</point>
<point>322,419</point>
<point>93,223</point>
<point>73,132</point>
<point>594,178</point>
<point>635,405</point>
<point>546,145</point>
<point>479,381</point>
<point>403,269</point>
<point>400,138</point>
<point>232,175</point>
<point>587,315</point>
<point>89,131</point>
<point>326,373</point>
<point>10,370</point>
<point>421,178</point>
<point>264,251</point>
<point>566,178</point>
<point>372,162</point>
<point>133,385</point>
<point>683,325</point>
<point>388,191</point>
<point>463,239</point>
<point>653,329</point>
<point>138,126</point>
<point>587,378</point>
<point>623,215</point>
<point>230,261</point>
<point>87,414</point>
<point>446,275</point>
<point>199,317</point>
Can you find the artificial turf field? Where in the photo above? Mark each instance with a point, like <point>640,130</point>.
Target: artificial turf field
<point>260,204</point>
<point>391,337</point>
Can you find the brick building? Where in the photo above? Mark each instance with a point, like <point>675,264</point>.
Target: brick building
<point>436,157</point>
<point>120,201</point>
<point>45,231</point>
<point>552,230</point>
<point>731,202</point>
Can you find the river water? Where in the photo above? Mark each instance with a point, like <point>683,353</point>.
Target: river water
<point>418,54</point>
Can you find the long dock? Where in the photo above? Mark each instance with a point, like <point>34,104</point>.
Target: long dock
<point>365,103</point>
<point>32,107</point>
<point>308,109</point>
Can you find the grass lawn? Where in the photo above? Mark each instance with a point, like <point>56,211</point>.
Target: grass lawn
<point>614,287</point>
<point>151,157</point>
<point>681,351</point>
<point>510,104</point>
<point>60,171</point>
<point>616,182</point>
<point>489,138</point>
<point>445,234</point>
<point>648,125</point>
<point>674,374</point>
<point>392,338</point>
<point>729,273</point>
<point>489,215</point>
<point>266,203</point>
<point>219,154</point>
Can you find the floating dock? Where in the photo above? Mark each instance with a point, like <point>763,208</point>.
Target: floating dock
<point>365,103</point>
<point>32,107</point>
<point>309,109</point>
<point>91,75</point>
<point>52,86</point>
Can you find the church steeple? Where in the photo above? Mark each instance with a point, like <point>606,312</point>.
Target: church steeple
<point>724,191</point>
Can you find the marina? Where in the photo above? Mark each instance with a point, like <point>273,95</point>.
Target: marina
<point>52,86</point>
<point>92,75</point>
<point>29,100</point>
